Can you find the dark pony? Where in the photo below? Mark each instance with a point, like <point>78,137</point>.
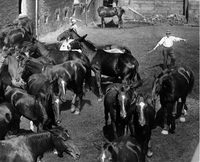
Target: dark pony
<point>32,146</point>
<point>115,65</point>
<point>36,108</point>
<point>168,87</point>
<point>71,34</point>
<point>39,83</point>
<point>122,149</point>
<point>104,11</point>
<point>54,56</point>
<point>71,75</point>
<point>119,102</point>
<point>143,122</point>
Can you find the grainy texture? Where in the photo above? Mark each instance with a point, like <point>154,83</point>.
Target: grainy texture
<point>87,127</point>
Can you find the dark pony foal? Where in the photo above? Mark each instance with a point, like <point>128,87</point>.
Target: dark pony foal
<point>168,87</point>
<point>35,108</point>
<point>71,76</point>
<point>104,11</point>
<point>30,147</point>
<point>39,83</point>
<point>119,102</point>
<point>143,122</point>
<point>115,65</point>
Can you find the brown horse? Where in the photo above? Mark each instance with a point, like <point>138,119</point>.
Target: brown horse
<point>30,147</point>
<point>104,11</point>
<point>122,149</point>
<point>168,87</point>
<point>115,65</point>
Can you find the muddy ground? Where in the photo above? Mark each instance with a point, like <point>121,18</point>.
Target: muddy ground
<point>87,128</point>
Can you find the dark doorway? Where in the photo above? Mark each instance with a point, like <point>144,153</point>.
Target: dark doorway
<point>20,6</point>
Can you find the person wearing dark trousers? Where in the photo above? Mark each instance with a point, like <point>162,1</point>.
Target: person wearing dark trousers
<point>167,51</point>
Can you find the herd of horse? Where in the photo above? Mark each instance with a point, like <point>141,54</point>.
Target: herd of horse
<point>35,77</point>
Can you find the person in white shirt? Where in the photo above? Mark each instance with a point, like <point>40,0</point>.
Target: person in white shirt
<point>167,51</point>
<point>73,24</point>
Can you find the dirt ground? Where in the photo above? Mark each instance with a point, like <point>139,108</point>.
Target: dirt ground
<point>87,128</point>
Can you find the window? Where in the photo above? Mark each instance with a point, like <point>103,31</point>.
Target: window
<point>45,19</point>
<point>65,12</point>
<point>57,14</point>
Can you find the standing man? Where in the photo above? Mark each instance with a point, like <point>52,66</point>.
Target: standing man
<point>27,23</point>
<point>73,24</point>
<point>167,51</point>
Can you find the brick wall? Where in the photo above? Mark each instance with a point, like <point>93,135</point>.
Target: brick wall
<point>9,10</point>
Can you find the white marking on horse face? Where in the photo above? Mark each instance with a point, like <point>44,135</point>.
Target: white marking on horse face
<point>123,106</point>
<point>103,157</point>
<point>57,101</point>
<point>63,86</point>
<point>142,119</point>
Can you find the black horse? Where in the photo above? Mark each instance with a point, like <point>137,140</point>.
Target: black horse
<point>104,11</point>
<point>71,34</point>
<point>144,122</point>
<point>115,65</point>
<point>32,146</point>
<point>37,108</point>
<point>71,75</point>
<point>122,149</point>
<point>54,56</point>
<point>9,120</point>
<point>168,87</point>
<point>119,102</point>
<point>39,83</point>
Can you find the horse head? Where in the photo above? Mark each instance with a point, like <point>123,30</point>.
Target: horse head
<point>70,33</point>
<point>125,98</point>
<point>63,142</point>
<point>106,152</point>
<point>143,109</point>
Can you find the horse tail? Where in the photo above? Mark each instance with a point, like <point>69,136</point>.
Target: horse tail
<point>191,82</point>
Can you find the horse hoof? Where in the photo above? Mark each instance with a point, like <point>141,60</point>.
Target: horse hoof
<point>182,119</point>
<point>149,153</point>
<point>73,109</point>
<point>55,152</point>
<point>77,112</point>
<point>100,99</point>
<point>165,132</point>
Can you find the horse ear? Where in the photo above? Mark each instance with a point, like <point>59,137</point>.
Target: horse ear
<point>139,83</point>
<point>98,146</point>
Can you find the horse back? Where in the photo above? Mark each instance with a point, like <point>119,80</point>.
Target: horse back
<point>128,149</point>
<point>184,77</point>
<point>107,11</point>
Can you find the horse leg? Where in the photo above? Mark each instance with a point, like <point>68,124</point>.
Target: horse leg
<point>183,110</point>
<point>165,127</point>
<point>98,80</point>
<point>149,151</point>
<point>174,112</point>
<point>114,129</point>
<point>73,108</point>
<point>102,22</point>
<point>79,107</point>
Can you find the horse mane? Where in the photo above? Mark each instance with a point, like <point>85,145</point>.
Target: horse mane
<point>90,45</point>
